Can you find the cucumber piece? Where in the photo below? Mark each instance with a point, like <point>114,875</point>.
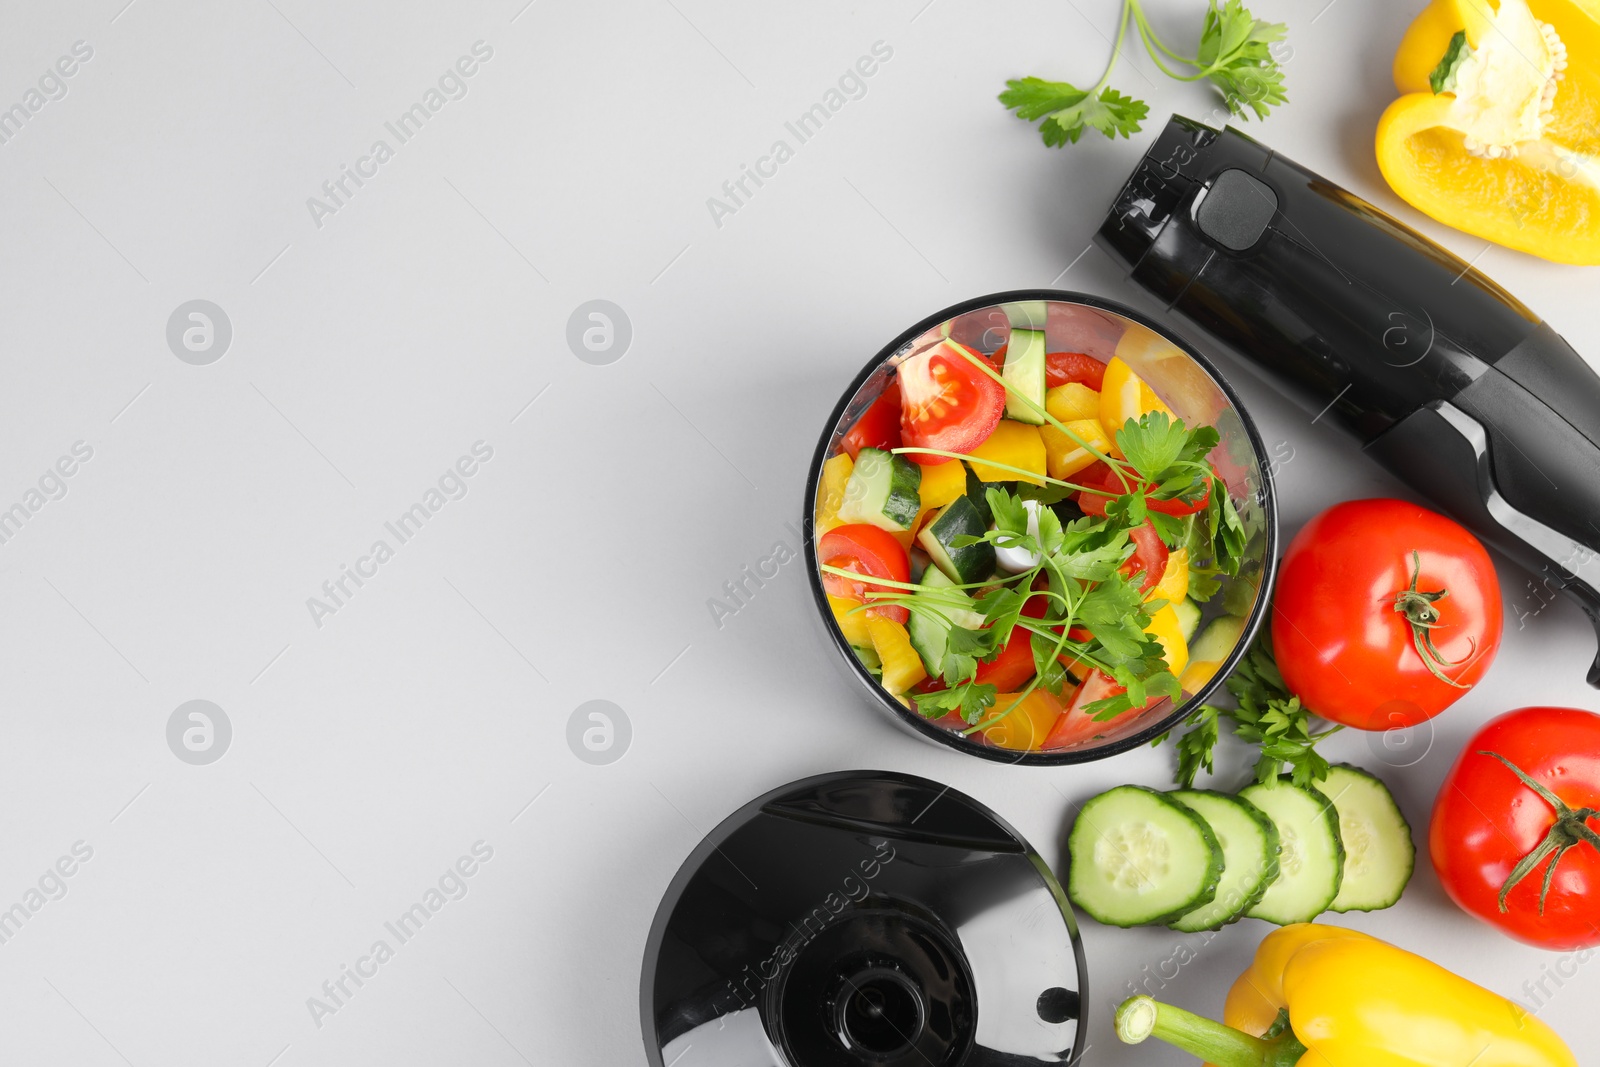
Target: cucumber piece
<point>882,490</point>
<point>1024,373</point>
<point>978,493</point>
<point>1219,639</point>
<point>1310,857</point>
<point>1188,613</point>
<point>1379,853</point>
<point>929,627</point>
<point>1249,844</point>
<point>965,563</point>
<point>868,657</point>
<point>1137,856</point>
<point>1026,314</point>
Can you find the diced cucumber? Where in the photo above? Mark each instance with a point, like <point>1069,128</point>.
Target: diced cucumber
<point>1310,856</point>
<point>868,657</point>
<point>1219,639</point>
<point>1379,854</point>
<point>882,490</point>
<point>1249,844</point>
<point>1026,314</point>
<point>978,493</point>
<point>1188,613</point>
<point>929,626</point>
<point>1025,374</point>
<point>963,564</point>
<point>1138,856</point>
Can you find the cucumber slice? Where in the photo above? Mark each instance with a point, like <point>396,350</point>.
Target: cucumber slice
<point>1188,613</point>
<point>882,490</point>
<point>1379,853</point>
<point>1310,857</point>
<point>965,563</point>
<point>1219,639</point>
<point>929,628</point>
<point>1026,314</point>
<point>1024,373</point>
<point>1249,844</point>
<point>1138,856</point>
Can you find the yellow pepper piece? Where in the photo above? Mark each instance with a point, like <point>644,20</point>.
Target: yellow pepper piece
<point>1124,396</point>
<point>1174,583</point>
<point>1198,674</point>
<point>902,667</point>
<point>1015,444</point>
<point>1495,154</point>
<point>1351,999</point>
<point>1072,402</point>
<point>1064,456</point>
<point>1165,628</point>
<point>854,627</point>
<point>830,490</point>
<point>1025,729</point>
<point>941,483</point>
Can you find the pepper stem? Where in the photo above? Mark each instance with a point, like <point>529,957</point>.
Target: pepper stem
<point>1570,829</point>
<point>1417,607</point>
<point>1143,1017</point>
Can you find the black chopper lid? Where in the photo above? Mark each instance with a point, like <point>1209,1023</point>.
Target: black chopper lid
<point>863,918</point>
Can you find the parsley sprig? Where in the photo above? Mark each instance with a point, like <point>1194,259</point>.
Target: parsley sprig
<point>1234,54</point>
<point>1269,716</point>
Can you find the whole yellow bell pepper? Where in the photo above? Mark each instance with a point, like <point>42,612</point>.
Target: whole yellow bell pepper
<point>1498,130</point>
<point>1323,996</point>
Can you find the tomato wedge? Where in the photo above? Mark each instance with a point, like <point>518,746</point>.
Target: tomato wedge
<point>878,426</point>
<point>867,551</point>
<point>1103,486</point>
<point>946,402</point>
<point>1063,367</point>
<point>1149,556</point>
<point>1075,725</point>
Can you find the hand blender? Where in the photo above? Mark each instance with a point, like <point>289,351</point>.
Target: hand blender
<point>1442,376</point>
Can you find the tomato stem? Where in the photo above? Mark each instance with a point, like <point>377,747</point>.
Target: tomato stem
<point>1417,607</point>
<point>1570,829</point>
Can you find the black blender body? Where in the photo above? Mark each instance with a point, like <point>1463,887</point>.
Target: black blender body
<point>1441,375</point>
<point>863,918</point>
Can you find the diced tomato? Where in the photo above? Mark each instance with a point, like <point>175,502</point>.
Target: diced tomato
<point>1103,486</point>
<point>867,551</point>
<point>946,402</point>
<point>1180,507</point>
<point>1011,669</point>
<point>1063,367</point>
<point>1149,556</point>
<point>878,426</point>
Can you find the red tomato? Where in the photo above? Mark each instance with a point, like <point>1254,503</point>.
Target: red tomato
<point>1075,725</point>
<point>1063,367</point>
<point>878,426</point>
<point>1149,556</point>
<point>1011,669</point>
<point>1110,485</point>
<point>1341,644</point>
<point>946,402</point>
<point>869,551</point>
<point>1486,820</point>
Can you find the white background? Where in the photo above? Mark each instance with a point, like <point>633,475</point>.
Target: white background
<point>372,351</point>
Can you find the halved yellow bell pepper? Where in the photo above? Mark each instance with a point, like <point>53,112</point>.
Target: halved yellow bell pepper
<point>830,491</point>
<point>1015,444</point>
<point>1064,456</point>
<point>1324,996</point>
<point>1498,130</point>
<point>902,667</point>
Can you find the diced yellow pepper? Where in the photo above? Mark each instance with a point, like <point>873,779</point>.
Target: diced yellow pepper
<point>1124,396</point>
<point>1071,402</point>
<point>1174,583</point>
<point>1197,674</point>
<point>830,492</point>
<point>1064,456</point>
<point>854,627</point>
<point>902,667</point>
<point>1165,627</point>
<point>1016,444</point>
<point>941,483</point>
<point>1025,729</point>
